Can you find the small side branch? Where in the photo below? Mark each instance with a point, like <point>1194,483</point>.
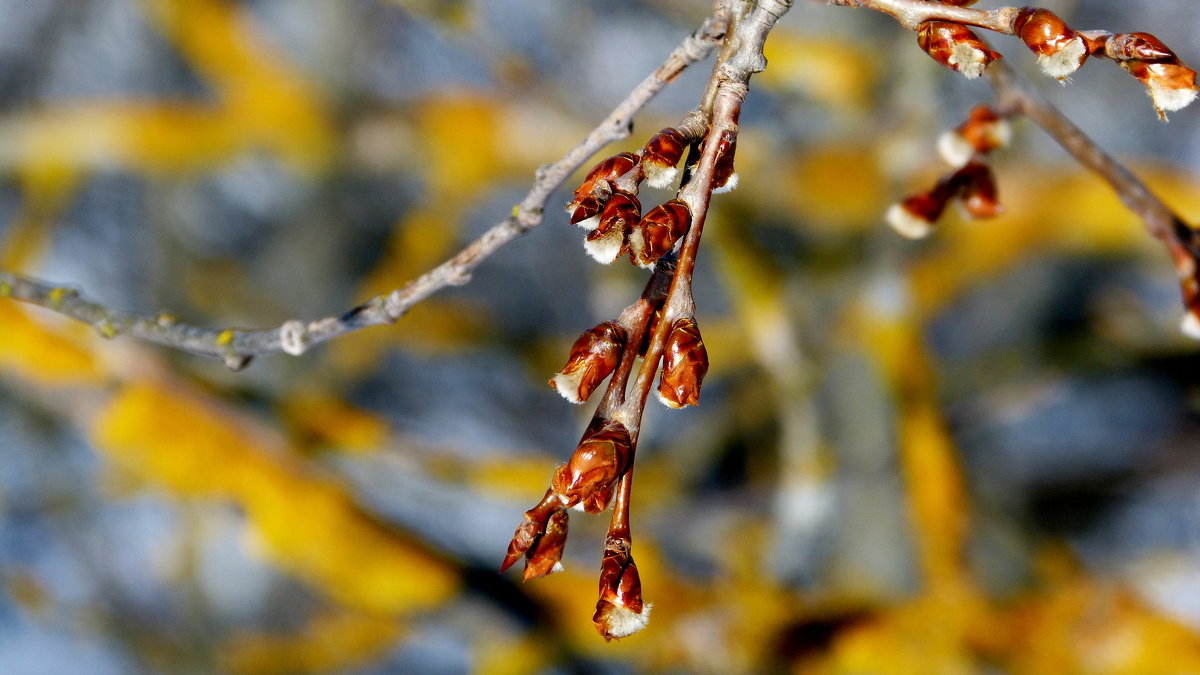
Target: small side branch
<point>236,347</point>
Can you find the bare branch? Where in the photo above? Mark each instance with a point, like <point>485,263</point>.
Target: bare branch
<point>236,347</point>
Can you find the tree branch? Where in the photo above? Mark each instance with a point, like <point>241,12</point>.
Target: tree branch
<point>236,347</point>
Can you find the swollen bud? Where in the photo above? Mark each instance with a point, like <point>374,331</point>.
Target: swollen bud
<point>620,611</point>
<point>594,356</point>
<point>545,556</point>
<point>915,217</point>
<point>955,46</point>
<point>1060,50</point>
<point>620,214</point>
<point>685,362</point>
<point>1171,84</point>
<point>655,235</point>
<point>535,525</point>
<point>600,458</point>
<point>660,155</point>
<point>596,188</point>
<point>982,132</point>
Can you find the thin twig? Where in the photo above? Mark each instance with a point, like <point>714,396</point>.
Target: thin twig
<point>1160,219</point>
<point>236,347</point>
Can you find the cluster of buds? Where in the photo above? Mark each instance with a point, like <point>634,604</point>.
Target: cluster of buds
<point>540,539</point>
<point>1061,51</point>
<point>972,184</point>
<point>659,327</point>
<point>955,46</point>
<point>606,205</point>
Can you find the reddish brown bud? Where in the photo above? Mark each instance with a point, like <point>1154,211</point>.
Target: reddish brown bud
<point>620,214</point>
<point>545,556</point>
<point>601,457</point>
<point>979,193</point>
<point>982,132</point>
<point>532,528</point>
<point>724,179</point>
<point>1060,50</point>
<point>1171,84</point>
<point>593,357</point>
<point>685,362</point>
<point>658,231</point>
<point>586,212</point>
<point>954,45</point>
<point>596,188</point>
<point>661,154</point>
<point>1137,46</point>
<point>958,3</point>
<point>620,611</point>
<point>914,217</point>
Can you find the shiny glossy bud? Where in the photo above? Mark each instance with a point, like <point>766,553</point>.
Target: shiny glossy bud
<point>600,459</point>
<point>607,241</point>
<point>1060,50</point>
<point>684,365</point>
<point>655,235</point>
<point>620,610</point>
<point>660,155</point>
<point>955,46</point>
<point>594,356</point>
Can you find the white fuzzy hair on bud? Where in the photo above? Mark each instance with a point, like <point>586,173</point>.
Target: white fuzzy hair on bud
<point>1190,326</point>
<point>968,60</point>
<point>906,224</point>
<point>665,401</point>
<point>954,149</point>
<point>1065,61</point>
<point>658,176</point>
<point>623,622</point>
<point>567,385</point>
<point>1169,98</point>
<point>730,185</point>
<point>590,224</point>
<point>605,249</point>
<point>558,567</point>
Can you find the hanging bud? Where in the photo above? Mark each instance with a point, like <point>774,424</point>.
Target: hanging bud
<point>596,187</point>
<point>620,214</point>
<point>1171,84</point>
<point>660,155</point>
<point>978,190</point>
<point>982,132</point>
<point>601,457</point>
<point>915,217</point>
<point>594,356</point>
<point>620,611</point>
<point>1060,50</point>
<point>954,45</point>
<point>724,179</point>
<point>545,555</point>
<point>658,231</point>
<point>532,528</point>
<point>685,362</point>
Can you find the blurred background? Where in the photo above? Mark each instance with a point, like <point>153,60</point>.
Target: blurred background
<point>971,454</point>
